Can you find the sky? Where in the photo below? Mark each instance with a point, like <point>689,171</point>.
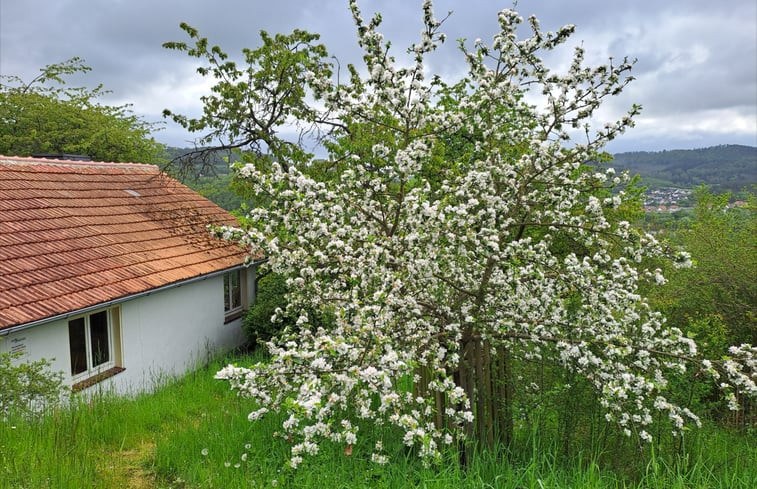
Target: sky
<point>696,74</point>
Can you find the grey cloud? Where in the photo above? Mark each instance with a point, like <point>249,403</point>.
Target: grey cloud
<point>122,41</point>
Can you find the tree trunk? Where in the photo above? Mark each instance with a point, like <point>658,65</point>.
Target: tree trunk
<point>487,380</point>
<point>503,399</point>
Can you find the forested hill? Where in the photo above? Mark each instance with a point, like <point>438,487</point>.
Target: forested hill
<point>726,167</point>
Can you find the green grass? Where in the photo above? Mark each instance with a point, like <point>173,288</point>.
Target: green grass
<point>158,441</point>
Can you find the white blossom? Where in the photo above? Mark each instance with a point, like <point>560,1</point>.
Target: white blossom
<point>410,264</point>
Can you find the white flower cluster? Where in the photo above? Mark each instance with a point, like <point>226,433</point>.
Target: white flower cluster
<point>428,260</point>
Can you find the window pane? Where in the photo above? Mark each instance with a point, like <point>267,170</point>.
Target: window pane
<point>98,330</point>
<point>226,288</point>
<point>78,346</point>
<point>236,291</point>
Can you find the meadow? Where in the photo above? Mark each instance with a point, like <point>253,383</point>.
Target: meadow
<point>193,432</point>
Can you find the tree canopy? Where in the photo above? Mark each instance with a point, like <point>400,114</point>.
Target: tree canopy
<point>717,299</point>
<point>456,238</point>
<point>43,116</point>
<point>248,107</point>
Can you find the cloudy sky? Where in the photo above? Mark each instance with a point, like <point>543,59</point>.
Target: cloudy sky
<point>696,71</point>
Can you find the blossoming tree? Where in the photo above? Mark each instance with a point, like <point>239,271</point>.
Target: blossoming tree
<point>456,228</point>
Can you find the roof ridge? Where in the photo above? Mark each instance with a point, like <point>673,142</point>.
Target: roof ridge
<point>26,160</point>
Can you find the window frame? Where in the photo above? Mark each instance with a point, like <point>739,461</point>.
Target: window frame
<point>92,370</point>
<point>232,308</point>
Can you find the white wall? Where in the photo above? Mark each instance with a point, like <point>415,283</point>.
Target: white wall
<point>49,341</point>
<point>162,335</point>
<point>173,331</point>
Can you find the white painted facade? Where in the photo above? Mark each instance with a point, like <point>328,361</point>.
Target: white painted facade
<point>153,336</point>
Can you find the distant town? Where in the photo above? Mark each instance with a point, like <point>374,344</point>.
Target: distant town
<point>667,199</point>
<point>674,200</point>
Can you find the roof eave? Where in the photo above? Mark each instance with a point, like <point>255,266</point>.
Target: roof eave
<point>101,305</point>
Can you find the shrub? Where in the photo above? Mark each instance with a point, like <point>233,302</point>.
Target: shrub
<point>257,323</point>
<point>28,387</point>
<point>271,295</point>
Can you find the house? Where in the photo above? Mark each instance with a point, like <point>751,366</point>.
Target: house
<point>109,271</point>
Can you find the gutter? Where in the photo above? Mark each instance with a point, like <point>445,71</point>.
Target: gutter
<point>112,302</point>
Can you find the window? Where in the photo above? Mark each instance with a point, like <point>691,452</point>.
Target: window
<point>232,293</point>
<point>94,344</point>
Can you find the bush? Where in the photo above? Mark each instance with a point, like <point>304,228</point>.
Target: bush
<point>271,292</point>
<point>257,323</point>
<point>28,387</point>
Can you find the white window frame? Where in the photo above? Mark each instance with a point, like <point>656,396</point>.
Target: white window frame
<point>91,369</point>
<point>228,291</point>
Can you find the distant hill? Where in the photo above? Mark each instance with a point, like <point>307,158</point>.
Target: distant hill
<point>726,167</point>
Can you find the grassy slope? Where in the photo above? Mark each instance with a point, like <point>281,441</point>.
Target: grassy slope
<point>158,441</point>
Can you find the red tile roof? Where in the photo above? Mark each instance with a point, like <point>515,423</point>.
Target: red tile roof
<point>74,234</point>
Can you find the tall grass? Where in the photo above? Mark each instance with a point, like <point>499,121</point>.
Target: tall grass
<point>194,433</point>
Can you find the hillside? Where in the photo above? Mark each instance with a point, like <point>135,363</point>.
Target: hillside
<point>723,168</point>
<point>726,167</point>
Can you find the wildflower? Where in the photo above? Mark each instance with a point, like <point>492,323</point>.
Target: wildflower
<point>379,459</point>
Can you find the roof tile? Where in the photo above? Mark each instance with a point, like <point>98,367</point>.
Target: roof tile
<point>75,234</point>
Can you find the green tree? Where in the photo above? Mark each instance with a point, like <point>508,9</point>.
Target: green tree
<point>453,230</point>
<point>715,302</point>
<point>44,116</point>
<point>717,299</point>
<point>249,107</point>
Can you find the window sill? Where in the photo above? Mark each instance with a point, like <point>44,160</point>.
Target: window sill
<point>231,316</point>
<point>95,379</point>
